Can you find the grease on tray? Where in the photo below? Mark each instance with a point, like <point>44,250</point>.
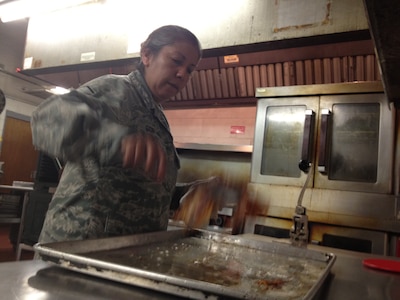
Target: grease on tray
<point>262,274</point>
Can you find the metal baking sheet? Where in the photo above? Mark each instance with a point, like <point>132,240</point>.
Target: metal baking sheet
<point>198,264</point>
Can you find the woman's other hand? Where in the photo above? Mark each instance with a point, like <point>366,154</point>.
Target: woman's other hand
<point>144,152</point>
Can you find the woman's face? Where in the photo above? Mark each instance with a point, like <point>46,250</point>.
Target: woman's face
<point>168,71</point>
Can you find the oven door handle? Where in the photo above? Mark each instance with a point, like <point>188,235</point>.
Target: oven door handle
<point>308,138</point>
<point>323,141</point>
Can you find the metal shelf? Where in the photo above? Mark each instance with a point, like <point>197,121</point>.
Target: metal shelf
<point>16,220</point>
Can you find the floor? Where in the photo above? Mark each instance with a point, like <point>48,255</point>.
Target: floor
<point>7,250</point>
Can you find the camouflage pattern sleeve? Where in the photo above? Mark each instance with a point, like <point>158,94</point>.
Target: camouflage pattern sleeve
<point>72,126</point>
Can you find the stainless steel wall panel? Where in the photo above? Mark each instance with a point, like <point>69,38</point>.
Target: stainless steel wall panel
<point>107,30</point>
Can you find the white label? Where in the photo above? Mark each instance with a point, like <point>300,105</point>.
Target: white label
<point>88,56</point>
<point>28,61</point>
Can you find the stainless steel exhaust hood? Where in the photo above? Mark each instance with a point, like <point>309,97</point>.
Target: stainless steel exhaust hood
<point>382,18</point>
<point>384,24</point>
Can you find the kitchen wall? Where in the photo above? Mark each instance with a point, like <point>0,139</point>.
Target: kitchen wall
<point>222,126</point>
<point>12,42</point>
<point>12,47</point>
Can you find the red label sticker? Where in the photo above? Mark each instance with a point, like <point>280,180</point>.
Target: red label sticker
<point>237,129</point>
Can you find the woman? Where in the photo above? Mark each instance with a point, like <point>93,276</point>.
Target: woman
<point>121,164</point>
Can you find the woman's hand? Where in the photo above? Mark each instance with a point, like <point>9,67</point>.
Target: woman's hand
<point>144,152</point>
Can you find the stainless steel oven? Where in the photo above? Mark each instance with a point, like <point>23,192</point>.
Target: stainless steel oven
<point>343,137</point>
<point>348,138</point>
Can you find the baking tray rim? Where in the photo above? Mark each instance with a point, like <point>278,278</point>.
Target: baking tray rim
<point>171,284</point>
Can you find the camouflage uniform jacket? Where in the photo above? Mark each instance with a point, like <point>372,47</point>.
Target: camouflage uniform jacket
<point>96,197</point>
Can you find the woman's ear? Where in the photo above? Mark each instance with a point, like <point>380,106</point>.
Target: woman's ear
<point>145,55</point>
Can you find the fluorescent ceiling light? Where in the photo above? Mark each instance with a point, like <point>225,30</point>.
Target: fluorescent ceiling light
<point>20,9</point>
<point>58,90</point>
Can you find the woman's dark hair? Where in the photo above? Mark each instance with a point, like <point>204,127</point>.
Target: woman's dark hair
<point>167,35</point>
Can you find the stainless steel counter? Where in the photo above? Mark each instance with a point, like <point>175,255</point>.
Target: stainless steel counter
<point>36,279</point>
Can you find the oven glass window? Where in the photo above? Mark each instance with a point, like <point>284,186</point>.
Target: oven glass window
<point>283,137</point>
<point>355,141</point>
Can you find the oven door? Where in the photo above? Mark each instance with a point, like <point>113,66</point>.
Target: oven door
<point>278,139</point>
<point>355,144</point>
